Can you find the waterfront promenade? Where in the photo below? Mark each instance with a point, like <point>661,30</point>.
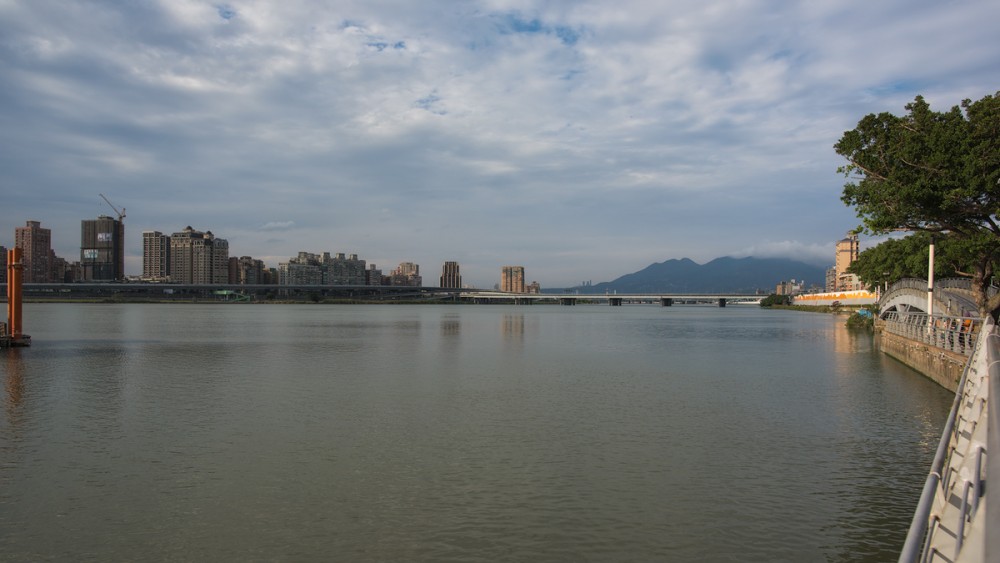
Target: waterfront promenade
<point>962,353</point>
<point>957,508</point>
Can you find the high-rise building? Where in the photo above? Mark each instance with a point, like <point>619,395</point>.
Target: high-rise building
<point>62,271</point>
<point>198,258</point>
<point>269,276</point>
<point>3,264</point>
<point>304,269</point>
<point>407,274</point>
<point>373,275</point>
<point>155,256</point>
<point>326,269</point>
<point>450,276</point>
<point>512,279</point>
<point>246,271</point>
<point>102,249</point>
<point>790,287</point>
<point>847,253</point>
<point>343,270</point>
<point>220,259</point>
<point>36,247</point>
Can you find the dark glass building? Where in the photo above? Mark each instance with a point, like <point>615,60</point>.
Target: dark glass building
<point>102,249</point>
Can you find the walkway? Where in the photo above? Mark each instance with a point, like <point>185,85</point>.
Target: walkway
<point>957,509</point>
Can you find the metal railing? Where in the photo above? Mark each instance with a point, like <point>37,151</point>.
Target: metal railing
<point>944,283</point>
<point>953,296</point>
<point>909,283</point>
<point>992,498</point>
<point>955,492</point>
<point>955,334</point>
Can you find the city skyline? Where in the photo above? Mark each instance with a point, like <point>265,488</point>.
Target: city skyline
<point>578,139</point>
<point>157,263</point>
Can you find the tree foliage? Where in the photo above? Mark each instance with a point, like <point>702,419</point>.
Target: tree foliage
<point>863,318</point>
<point>775,299</point>
<point>908,257</point>
<point>933,172</point>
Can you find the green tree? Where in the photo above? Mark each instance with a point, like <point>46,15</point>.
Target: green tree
<point>775,299</point>
<point>908,257</point>
<point>933,172</point>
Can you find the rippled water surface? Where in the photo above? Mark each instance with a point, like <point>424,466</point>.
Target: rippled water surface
<point>457,433</point>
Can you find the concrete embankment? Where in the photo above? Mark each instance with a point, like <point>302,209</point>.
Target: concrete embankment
<point>939,365</point>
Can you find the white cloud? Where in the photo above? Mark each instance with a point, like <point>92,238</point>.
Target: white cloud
<point>584,138</point>
<point>277,226</point>
<point>822,254</point>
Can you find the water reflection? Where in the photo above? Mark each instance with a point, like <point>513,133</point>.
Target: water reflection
<point>849,341</point>
<point>14,383</point>
<point>450,326</point>
<point>513,327</point>
<point>882,409</point>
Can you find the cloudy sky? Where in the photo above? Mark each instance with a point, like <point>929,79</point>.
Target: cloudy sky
<point>581,139</point>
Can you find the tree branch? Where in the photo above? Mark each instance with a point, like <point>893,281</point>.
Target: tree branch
<point>869,173</point>
<point>919,167</point>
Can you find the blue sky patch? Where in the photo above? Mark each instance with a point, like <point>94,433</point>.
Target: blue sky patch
<point>895,87</point>
<point>513,24</point>
<point>225,12</point>
<point>429,102</point>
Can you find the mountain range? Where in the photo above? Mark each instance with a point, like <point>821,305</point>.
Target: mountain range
<point>722,275</point>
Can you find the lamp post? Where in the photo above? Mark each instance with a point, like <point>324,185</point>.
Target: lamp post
<point>930,280</point>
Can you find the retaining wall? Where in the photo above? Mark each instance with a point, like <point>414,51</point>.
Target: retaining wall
<point>943,367</point>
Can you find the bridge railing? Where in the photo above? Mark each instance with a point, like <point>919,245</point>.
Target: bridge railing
<point>950,283</point>
<point>960,284</point>
<point>909,283</point>
<point>954,283</point>
<point>955,334</point>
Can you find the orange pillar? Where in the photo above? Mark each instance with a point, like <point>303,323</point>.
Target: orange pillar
<point>5,327</point>
<point>14,281</point>
<point>10,292</point>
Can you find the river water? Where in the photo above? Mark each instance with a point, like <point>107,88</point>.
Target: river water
<point>457,433</point>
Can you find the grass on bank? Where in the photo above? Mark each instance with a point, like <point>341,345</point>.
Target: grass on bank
<point>862,317</point>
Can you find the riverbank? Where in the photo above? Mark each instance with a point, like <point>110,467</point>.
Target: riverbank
<point>817,309</point>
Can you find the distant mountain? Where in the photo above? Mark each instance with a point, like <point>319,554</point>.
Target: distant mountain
<point>722,275</point>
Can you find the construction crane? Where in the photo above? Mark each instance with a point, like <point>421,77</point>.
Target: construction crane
<point>121,214</point>
<point>119,242</point>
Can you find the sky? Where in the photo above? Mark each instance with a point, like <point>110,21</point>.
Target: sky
<point>583,140</point>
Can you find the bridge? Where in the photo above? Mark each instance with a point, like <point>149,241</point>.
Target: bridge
<point>952,297</point>
<point>234,292</point>
<point>613,299</point>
